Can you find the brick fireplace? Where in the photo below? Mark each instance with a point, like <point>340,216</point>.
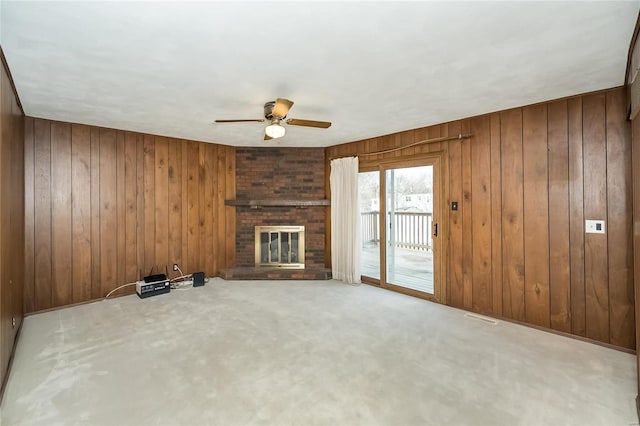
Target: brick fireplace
<point>279,187</point>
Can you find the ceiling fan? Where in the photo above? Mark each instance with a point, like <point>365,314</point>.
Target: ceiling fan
<point>275,113</point>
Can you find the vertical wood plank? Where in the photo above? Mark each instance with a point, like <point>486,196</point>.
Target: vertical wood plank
<point>17,215</point>
<point>496,215</point>
<point>420,135</point>
<point>635,159</point>
<point>81,211</point>
<point>96,274</point>
<point>619,204</point>
<point>201,178</point>
<point>373,147</point>
<point>175,202</point>
<point>434,132</point>
<point>203,208</point>
<point>149,206</point>
<point>481,206</point>
<point>467,215</point>
<point>61,255</point>
<point>5,290</point>
<point>140,207</point>
<point>456,281</point>
<point>131,206</point>
<point>193,205</point>
<point>185,206</point>
<point>108,212</point>
<point>595,207</point>
<point>161,185</point>
<point>536,214</point>
<point>384,143</point>
<point>512,215</point>
<point>559,230</point>
<point>406,138</point>
<point>215,217</point>
<point>29,217</point>
<point>576,217</point>
<point>121,200</point>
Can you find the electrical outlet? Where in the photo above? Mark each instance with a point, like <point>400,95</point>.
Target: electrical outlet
<point>175,266</point>
<point>594,226</point>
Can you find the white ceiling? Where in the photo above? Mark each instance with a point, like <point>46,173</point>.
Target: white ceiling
<point>371,68</point>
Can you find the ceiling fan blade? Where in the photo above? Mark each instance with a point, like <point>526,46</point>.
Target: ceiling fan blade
<point>281,108</point>
<point>309,123</point>
<point>267,137</point>
<point>259,120</point>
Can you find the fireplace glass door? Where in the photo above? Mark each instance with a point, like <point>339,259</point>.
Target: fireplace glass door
<point>280,246</point>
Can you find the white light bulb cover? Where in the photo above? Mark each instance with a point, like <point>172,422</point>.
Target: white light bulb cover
<point>274,131</point>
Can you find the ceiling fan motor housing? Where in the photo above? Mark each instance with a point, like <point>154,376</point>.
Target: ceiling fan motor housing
<point>268,110</point>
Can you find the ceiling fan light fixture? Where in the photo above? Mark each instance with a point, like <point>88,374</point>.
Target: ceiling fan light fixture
<point>274,130</point>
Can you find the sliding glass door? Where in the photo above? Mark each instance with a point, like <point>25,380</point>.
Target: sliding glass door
<point>369,200</point>
<point>399,210</point>
<point>409,225</point>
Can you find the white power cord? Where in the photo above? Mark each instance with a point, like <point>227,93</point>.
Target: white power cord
<point>181,277</point>
<point>118,288</point>
<point>179,270</point>
<point>182,285</point>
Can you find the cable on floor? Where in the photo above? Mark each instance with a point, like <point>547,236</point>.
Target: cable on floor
<point>118,288</point>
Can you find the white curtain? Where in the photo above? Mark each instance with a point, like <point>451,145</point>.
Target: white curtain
<point>345,220</point>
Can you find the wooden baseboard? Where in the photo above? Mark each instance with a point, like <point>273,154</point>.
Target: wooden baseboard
<point>124,292</point>
<point>565,334</point>
<point>537,327</point>
<point>13,354</point>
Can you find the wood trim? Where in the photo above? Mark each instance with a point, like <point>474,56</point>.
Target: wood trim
<point>119,293</point>
<point>411,145</point>
<point>13,85</point>
<point>370,281</point>
<point>562,333</point>
<point>405,161</point>
<point>5,379</point>
<point>524,324</point>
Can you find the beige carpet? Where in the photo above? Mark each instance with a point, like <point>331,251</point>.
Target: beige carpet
<point>305,353</point>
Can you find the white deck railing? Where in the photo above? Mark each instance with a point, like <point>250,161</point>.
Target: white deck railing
<point>409,230</point>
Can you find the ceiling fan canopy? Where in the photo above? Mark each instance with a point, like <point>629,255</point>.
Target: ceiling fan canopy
<point>275,112</point>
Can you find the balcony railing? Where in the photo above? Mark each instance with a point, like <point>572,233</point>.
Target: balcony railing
<point>409,230</point>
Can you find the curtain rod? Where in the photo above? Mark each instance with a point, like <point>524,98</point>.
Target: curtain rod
<point>386,151</point>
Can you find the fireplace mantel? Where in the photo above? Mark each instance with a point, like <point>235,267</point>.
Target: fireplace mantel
<point>277,203</point>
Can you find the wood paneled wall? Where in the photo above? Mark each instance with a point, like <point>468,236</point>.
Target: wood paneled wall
<point>635,160</point>
<point>525,182</point>
<point>104,206</point>
<point>11,217</point>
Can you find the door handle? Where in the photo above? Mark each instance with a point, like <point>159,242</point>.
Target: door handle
<point>435,229</point>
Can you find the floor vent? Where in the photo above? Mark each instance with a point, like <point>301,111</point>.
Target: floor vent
<point>481,318</point>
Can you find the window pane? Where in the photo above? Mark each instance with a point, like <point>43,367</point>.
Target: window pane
<point>369,198</point>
